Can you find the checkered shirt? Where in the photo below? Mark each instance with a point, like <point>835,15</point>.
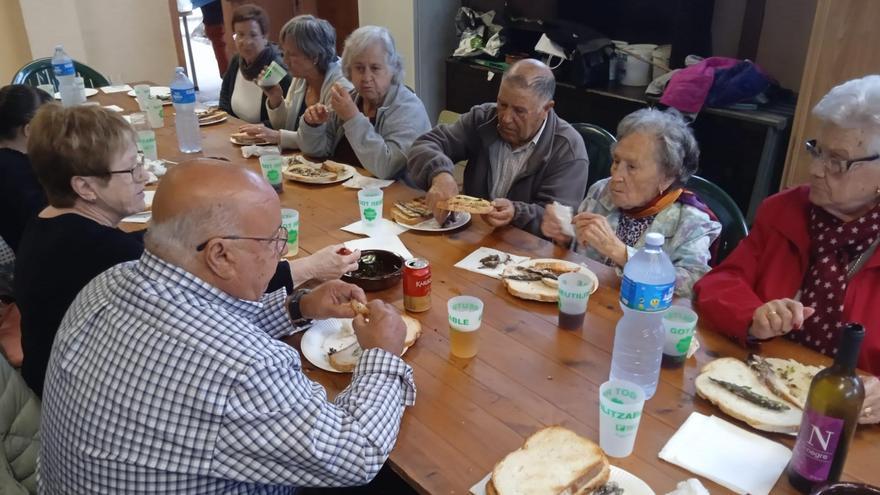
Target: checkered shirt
<point>161,383</point>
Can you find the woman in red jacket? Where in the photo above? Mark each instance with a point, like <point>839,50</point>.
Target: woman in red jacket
<point>811,262</point>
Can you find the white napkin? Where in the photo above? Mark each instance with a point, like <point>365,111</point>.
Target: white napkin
<point>384,228</point>
<point>255,150</point>
<point>116,89</point>
<point>471,262</point>
<point>564,213</point>
<point>691,486</point>
<point>114,108</point>
<point>726,454</point>
<point>359,181</point>
<point>480,487</point>
<point>148,198</point>
<point>388,243</point>
<point>142,217</point>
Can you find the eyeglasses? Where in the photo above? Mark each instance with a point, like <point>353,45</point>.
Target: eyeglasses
<point>835,166</point>
<point>280,240</point>
<point>137,169</point>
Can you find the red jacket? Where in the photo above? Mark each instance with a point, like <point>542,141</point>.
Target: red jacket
<point>770,264</point>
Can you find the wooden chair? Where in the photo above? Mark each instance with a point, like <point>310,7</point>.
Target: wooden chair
<point>40,71</point>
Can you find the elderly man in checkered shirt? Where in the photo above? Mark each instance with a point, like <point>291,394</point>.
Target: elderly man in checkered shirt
<point>166,375</point>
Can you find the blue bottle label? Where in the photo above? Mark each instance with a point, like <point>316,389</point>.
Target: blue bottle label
<point>183,95</point>
<point>63,69</point>
<point>646,297</point>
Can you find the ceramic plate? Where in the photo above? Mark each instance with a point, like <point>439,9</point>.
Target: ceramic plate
<point>161,92</point>
<point>461,219</point>
<point>323,335</point>
<point>89,92</point>
<point>344,175</point>
<point>630,483</point>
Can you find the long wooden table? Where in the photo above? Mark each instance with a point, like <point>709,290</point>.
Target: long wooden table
<point>528,373</point>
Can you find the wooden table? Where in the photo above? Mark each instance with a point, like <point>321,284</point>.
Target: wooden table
<point>528,373</point>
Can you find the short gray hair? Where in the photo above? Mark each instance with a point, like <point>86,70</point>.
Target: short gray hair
<point>176,238</point>
<point>677,150</point>
<point>364,37</point>
<point>541,85</point>
<point>853,104</point>
<point>315,37</point>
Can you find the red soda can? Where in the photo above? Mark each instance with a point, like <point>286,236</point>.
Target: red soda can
<point>417,285</point>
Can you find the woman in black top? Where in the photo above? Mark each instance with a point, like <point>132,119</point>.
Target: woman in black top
<point>240,95</point>
<point>21,196</point>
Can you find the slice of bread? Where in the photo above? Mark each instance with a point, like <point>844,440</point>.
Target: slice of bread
<point>734,371</point>
<point>553,461</point>
<point>544,289</point>
<point>346,358</point>
<point>787,378</point>
<point>412,212</point>
<point>468,204</point>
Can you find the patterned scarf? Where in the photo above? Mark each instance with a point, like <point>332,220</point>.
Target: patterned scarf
<point>657,205</point>
<point>835,246</point>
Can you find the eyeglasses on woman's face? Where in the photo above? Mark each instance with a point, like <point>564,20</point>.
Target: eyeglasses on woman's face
<point>833,164</point>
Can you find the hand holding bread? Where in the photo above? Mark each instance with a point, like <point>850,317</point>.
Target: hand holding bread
<point>316,115</point>
<point>385,329</point>
<point>342,103</point>
<point>502,213</point>
<point>443,187</point>
<point>331,299</point>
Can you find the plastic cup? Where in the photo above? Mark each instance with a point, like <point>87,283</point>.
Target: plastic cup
<point>620,411</point>
<point>370,203</point>
<point>290,221</point>
<point>273,75</point>
<point>679,323</point>
<point>271,166</point>
<point>574,293</point>
<point>465,317</point>
<point>141,94</point>
<point>146,138</point>
<point>155,113</point>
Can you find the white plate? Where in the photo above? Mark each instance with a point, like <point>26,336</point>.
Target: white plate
<point>236,141</point>
<point>631,484</point>
<point>342,176</point>
<point>89,92</point>
<point>215,120</point>
<point>157,92</point>
<point>318,340</point>
<point>461,219</point>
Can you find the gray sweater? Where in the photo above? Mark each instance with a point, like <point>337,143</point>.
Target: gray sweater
<point>382,148</point>
<point>556,170</point>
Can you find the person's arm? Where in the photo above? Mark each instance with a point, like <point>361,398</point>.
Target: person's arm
<point>564,182</point>
<point>384,155</point>
<point>318,141</point>
<point>228,86</point>
<point>692,239</point>
<point>437,150</point>
<point>278,115</point>
<point>265,115</point>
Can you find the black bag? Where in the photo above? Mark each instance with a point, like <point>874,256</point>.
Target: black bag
<point>590,52</point>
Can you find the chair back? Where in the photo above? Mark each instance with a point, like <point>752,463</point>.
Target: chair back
<point>40,71</point>
<point>733,223</point>
<point>448,117</point>
<point>20,431</point>
<point>598,142</point>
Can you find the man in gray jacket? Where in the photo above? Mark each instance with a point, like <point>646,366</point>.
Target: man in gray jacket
<point>520,153</point>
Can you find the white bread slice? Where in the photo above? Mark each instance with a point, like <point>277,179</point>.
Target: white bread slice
<point>797,378</point>
<point>553,461</point>
<point>737,372</point>
<point>546,289</point>
<point>347,358</point>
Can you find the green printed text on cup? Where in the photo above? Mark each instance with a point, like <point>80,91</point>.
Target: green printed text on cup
<point>620,411</point>
<point>370,204</point>
<point>290,221</point>
<point>465,316</point>
<point>271,166</point>
<point>574,292</point>
<point>679,324</point>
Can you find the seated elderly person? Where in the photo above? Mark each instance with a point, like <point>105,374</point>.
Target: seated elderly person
<point>811,261</point>
<point>655,156</point>
<point>240,96</point>
<point>374,126</point>
<point>309,46</point>
<point>520,153</point>
<point>87,161</point>
<point>168,368</point>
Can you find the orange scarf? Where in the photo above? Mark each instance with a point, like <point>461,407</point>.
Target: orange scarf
<point>656,205</point>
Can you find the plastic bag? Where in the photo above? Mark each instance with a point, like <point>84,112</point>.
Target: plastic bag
<point>477,32</point>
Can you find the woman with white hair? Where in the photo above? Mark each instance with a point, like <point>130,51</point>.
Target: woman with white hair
<point>654,157</point>
<point>811,261</point>
<point>309,47</point>
<point>375,125</point>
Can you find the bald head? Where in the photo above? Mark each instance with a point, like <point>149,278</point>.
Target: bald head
<point>533,75</point>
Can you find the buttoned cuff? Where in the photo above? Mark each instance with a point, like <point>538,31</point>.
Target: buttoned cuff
<point>379,361</point>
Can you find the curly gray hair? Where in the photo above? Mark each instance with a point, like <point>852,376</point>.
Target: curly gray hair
<point>315,37</point>
<point>677,150</point>
<point>364,37</point>
<point>853,104</point>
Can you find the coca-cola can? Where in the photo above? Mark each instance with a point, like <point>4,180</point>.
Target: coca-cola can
<point>417,285</point>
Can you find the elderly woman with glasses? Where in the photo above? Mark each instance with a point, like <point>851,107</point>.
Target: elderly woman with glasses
<point>811,263</point>
<point>375,125</point>
<point>309,46</point>
<point>87,161</point>
<point>240,95</point>
<point>654,157</point>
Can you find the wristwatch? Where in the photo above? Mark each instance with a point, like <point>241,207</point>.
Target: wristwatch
<point>293,309</point>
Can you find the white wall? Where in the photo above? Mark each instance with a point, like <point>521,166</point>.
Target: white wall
<point>398,16</point>
<point>14,48</point>
<point>128,38</point>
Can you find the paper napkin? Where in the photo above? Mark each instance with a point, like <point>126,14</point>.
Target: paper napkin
<point>388,243</point>
<point>472,263</point>
<point>384,228</point>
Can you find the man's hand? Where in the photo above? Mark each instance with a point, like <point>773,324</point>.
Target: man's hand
<point>316,115</point>
<point>385,330</point>
<point>593,230</point>
<point>778,317</point>
<point>327,263</point>
<point>274,94</point>
<point>342,104</point>
<point>871,406</point>
<point>552,227</point>
<point>442,188</point>
<point>331,300</point>
<point>502,214</point>
<point>260,131</point>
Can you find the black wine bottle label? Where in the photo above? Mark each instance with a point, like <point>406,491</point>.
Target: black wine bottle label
<point>816,443</point>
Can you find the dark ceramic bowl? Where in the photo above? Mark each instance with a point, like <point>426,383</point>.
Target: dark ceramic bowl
<point>847,488</point>
<point>385,270</point>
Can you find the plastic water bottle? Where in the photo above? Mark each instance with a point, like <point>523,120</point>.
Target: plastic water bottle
<point>183,95</point>
<point>62,66</point>
<point>645,294</point>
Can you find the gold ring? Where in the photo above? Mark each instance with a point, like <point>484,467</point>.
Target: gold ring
<point>868,411</point>
<point>773,313</point>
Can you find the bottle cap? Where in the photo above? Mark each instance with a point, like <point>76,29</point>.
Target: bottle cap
<point>654,239</point>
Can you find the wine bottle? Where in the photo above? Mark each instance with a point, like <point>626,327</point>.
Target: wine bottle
<point>830,417</point>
